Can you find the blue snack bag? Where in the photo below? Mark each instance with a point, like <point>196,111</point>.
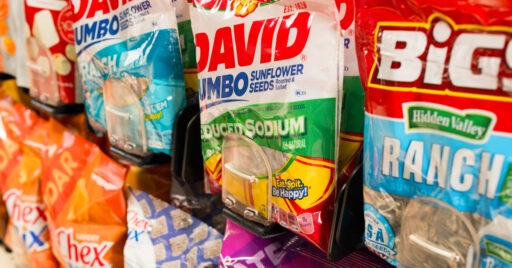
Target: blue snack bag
<point>161,235</point>
<point>129,57</point>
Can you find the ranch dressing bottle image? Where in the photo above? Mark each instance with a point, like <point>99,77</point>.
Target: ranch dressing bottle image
<point>496,243</point>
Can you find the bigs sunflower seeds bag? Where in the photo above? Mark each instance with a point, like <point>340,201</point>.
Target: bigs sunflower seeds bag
<point>438,168</point>
<point>269,88</point>
<point>129,57</point>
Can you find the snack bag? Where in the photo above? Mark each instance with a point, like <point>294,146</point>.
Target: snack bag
<point>20,185</point>
<point>352,115</point>
<point>85,203</point>
<point>16,122</point>
<point>132,71</point>
<point>160,235</point>
<point>19,30</point>
<point>7,44</point>
<point>437,133</point>
<point>51,54</point>
<point>241,248</point>
<point>22,194</point>
<point>269,91</point>
<point>191,198</point>
<point>188,48</point>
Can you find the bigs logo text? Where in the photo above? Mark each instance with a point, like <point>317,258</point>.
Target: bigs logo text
<point>80,254</point>
<point>278,39</point>
<point>29,219</point>
<point>422,55</point>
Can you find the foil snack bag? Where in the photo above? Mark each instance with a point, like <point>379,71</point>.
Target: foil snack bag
<point>132,74</point>
<point>437,177</point>
<point>161,235</point>
<point>270,92</point>
<point>86,207</point>
<point>50,52</point>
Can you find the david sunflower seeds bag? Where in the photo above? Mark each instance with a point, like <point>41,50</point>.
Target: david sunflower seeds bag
<point>269,91</point>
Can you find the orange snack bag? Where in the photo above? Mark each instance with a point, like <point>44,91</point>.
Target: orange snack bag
<point>85,202</point>
<point>22,194</point>
<point>20,185</point>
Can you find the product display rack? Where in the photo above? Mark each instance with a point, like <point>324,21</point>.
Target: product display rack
<point>255,133</point>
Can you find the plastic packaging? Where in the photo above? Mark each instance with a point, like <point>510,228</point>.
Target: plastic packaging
<point>20,186</point>
<point>51,54</point>
<point>7,42</point>
<point>243,249</point>
<point>132,72</point>
<point>160,235</point>
<point>437,133</point>
<point>352,116</point>
<point>269,90</point>
<point>188,48</point>
<point>86,207</point>
<point>20,31</point>
<point>495,241</point>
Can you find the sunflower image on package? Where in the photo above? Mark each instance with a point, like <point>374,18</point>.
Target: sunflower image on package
<point>131,68</point>
<point>50,52</point>
<point>269,90</point>
<point>161,235</point>
<point>438,168</point>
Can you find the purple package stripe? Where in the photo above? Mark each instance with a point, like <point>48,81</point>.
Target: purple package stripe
<point>243,249</point>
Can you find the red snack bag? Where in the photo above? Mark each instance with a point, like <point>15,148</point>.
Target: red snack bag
<point>437,178</point>
<point>85,200</point>
<point>51,52</point>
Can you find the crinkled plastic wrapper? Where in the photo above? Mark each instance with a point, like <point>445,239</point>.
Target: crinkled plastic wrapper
<point>7,41</point>
<point>86,207</point>
<point>161,235</point>
<point>437,177</point>
<point>20,186</point>
<point>50,52</point>
<point>270,98</point>
<point>19,31</point>
<point>132,73</point>
<point>241,248</point>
